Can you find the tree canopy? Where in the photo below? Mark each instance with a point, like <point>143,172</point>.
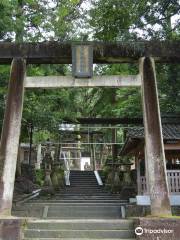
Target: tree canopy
<point>102,20</point>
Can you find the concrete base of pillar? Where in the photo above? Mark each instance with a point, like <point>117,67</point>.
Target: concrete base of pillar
<point>157,228</point>
<point>144,200</point>
<point>11,228</point>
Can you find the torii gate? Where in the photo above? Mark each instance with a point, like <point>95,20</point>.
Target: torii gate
<point>146,53</point>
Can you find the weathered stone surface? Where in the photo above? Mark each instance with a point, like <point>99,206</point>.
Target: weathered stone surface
<point>158,228</point>
<point>127,192</point>
<point>96,81</point>
<point>28,171</point>
<point>24,185</point>
<point>142,211</point>
<point>120,52</point>
<point>132,210</point>
<point>10,229</point>
<point>10,134</point>
<point>54,179</point>
<point>155,157</point>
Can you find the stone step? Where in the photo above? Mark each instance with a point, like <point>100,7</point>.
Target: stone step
<point>86,177</point>
<point>73,190</point>
<point>65,194</point>
<point>71,199</point>
<point>75,187</point>
<point>83,176</point>
<point>91,234</point>
<point>85,211</point>
<point>66,204</point>
<point>79,196</point>
<point>81,172</point>
<point>96,190</point>
<point>82,192</point>
<point>106,194</point>
<point>97,201</point>
<point>81,181</point>
<point>72,211</point>
<point>80,199</point>
<point>76,238</point>
<point>61,195</point>
<point>84,187</point>
<point>63,204</point>
<point>90,193</point>
<point>75,184</point>
<point>79,184</point>
<point>84,180</point>
<point>81,224</point>
<point>90,176</point>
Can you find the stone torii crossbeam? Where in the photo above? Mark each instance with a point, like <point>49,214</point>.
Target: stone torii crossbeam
<point>143,53</point>
<point>118,52</point>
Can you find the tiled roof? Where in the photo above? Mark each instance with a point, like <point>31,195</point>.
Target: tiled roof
<point>170,131</point>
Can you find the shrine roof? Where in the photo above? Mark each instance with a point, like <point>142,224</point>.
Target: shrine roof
<point>135,138</point>
<point>170,132</point>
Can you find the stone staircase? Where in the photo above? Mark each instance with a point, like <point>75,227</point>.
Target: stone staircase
<point>79,229</point>
<point>84,210</point>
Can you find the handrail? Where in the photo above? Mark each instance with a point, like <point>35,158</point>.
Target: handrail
<point>66,170</point>
<point>98,178</point>
<point>28,197</point>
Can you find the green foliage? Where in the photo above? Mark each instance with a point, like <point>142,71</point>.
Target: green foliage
<point>118,102</point>
<point>3,89</point>
<point>122,20</point>
<point>41,136</point>
<point>111,19</point>
<point>39,177</point>
<point>136,20</point>
<point>106,20</point>
<point>125,159</point>
<point>105,171</point>
<point>169,85</point>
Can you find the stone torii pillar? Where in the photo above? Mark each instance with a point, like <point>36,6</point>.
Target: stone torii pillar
<point>10,134</point>
<point>155,157</point>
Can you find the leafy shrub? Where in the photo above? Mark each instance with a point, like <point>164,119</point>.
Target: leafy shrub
<point>40,177</point>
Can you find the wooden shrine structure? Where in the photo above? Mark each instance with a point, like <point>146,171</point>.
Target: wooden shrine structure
<point>143,53</point>
<point>134,146</point>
